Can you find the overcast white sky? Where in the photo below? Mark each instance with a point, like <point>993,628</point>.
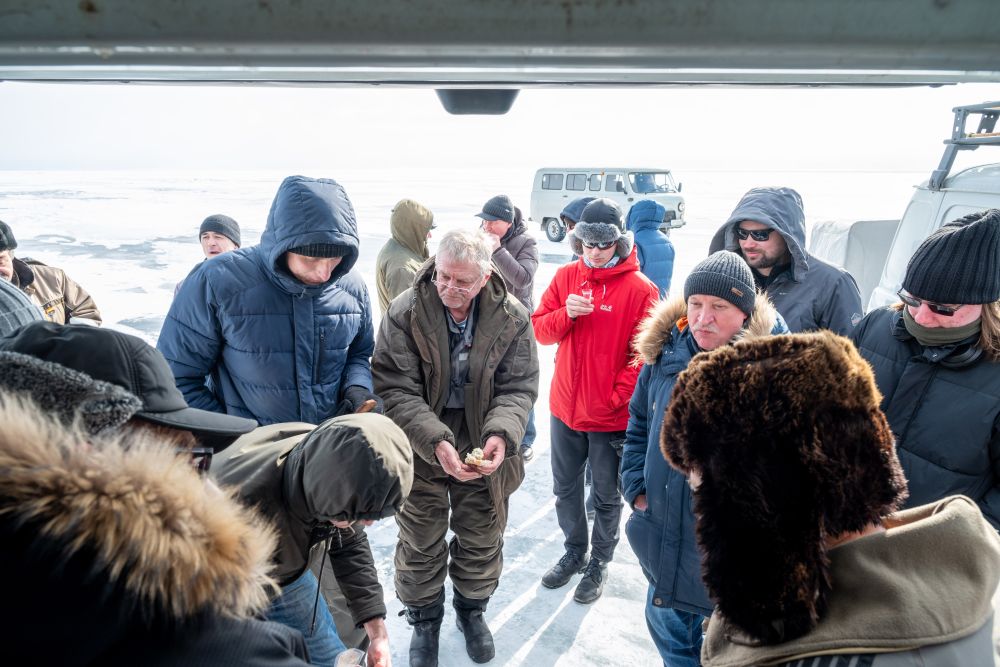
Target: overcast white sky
<point>119,126</point>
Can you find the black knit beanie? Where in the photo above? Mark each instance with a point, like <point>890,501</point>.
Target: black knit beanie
<point>321,250</point>
<point>7,240</point>
<point>725,275</point>
<point>959,263</point>
<point>221,224</point>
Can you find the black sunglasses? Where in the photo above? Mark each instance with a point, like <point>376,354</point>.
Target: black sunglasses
<point>201,458</point>
<point>759,235</point>
<point>936,308</point>
<point>599,246</point>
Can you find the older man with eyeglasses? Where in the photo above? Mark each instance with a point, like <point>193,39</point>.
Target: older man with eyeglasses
<point>592,310</point>
<point>936,357</point>
<point>456,366</point>
<point>768,229</point>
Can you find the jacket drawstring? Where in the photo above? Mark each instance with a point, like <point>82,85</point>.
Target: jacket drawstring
<point>319,580</point>
<point>319,585</point>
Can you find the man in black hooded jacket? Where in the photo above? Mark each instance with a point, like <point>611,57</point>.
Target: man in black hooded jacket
<point>315,484</point>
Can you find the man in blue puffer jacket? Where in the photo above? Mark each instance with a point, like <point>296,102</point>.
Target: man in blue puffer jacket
<point>720,305</point>
<point>281,331</point>
<point>656,252</point>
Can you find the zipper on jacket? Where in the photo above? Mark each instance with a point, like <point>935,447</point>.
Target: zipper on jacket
<point>317,379</point>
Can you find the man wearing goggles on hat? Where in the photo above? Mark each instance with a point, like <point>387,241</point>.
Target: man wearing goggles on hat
<point>936,357</point>
<point>315,483</point>
<point>768,228</point>
<point>592,310</point>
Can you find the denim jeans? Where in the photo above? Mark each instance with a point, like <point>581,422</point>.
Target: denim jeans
<point>676,633</point>
<point>294,608</point>
<point>530,431</point>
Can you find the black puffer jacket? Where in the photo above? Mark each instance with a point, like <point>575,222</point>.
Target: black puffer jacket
<point>944,413</point>
<point>302,477</point>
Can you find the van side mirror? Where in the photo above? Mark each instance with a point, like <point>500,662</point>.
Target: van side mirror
<point>680,186</point>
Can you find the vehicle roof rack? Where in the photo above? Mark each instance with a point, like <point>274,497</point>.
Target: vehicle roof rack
<point>967,141</point>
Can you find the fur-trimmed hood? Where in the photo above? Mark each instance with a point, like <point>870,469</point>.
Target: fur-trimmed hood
<point>655,330</point>
<point>162,546</point>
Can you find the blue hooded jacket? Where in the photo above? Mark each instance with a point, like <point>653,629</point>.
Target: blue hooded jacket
<point>656,252</point>
<point>243,336</point>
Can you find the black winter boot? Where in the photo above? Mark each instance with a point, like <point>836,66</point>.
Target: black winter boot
<point>426,622</point>
<point>592,584</point>
<point>571,563</point>
<point>478,638</point>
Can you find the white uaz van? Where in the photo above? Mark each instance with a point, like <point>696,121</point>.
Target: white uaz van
<point>554,187</point>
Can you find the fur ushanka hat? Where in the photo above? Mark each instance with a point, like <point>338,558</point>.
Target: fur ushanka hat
<point>602,221</point>
<point>792,448</point>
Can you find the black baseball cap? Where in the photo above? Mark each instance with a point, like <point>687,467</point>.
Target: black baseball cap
<point>129,362</point>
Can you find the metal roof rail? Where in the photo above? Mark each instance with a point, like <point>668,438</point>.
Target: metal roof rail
<point>967,141</point>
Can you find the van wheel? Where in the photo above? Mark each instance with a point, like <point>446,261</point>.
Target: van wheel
<point>554,229</point>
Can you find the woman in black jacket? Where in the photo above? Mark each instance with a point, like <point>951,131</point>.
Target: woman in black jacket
<point>936,357</point>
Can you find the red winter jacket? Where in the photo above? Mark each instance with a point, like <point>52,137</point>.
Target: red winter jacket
<point>596,365</point>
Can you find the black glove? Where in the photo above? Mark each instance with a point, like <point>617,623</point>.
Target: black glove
<point>354,400</point>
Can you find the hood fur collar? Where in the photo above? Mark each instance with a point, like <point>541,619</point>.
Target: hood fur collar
<point>655,330</point>
<point>179,546</point>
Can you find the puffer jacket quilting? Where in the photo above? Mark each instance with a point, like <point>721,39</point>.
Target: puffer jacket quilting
<point>276,350</point>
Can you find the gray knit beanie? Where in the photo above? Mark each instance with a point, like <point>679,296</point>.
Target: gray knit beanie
<point>958,263</point>
<point>67,394</point>
<point>726,275</point>
<point>7,240</point>
<point>16,309</point>
<point>221,224</point>
<point>498,208</point>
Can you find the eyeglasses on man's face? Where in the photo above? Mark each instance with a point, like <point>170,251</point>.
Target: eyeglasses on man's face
<point>599,246</point>
<point>936,308</point>
<point>453,284</point>
<point>759,235</point>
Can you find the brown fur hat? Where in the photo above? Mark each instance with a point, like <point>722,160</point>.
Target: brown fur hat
<point>792,448</point>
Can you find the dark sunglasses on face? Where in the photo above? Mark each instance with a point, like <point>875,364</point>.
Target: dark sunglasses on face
<point>759,235</point>
<point>936,308</point>
<point>599,246</point>
<point>201,458</point>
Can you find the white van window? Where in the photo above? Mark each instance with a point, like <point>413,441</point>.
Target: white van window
<point>552,181</point>
<point>646,182</point>
<point>595,182</point>
<point>614,183</point>
<point>576,182</point>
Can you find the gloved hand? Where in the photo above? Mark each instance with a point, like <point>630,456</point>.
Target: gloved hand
<point>359,399</point>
